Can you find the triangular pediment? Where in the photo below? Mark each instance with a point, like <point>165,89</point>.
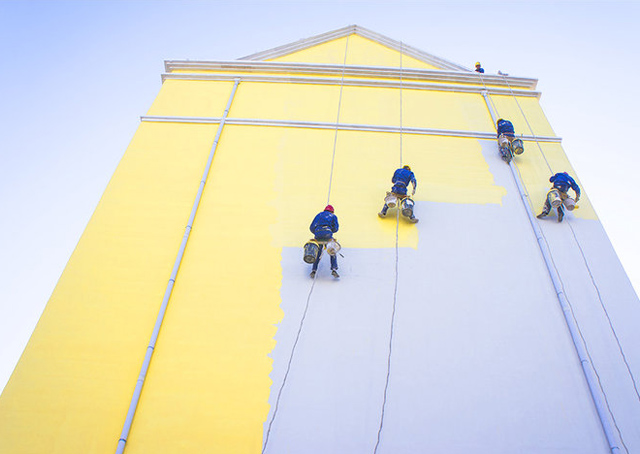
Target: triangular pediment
<point>355,45</point>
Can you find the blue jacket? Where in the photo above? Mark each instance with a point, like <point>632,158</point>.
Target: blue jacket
<point>324,225</point>
<point>506,127</point>
<point>563,182</point>
<point>401,179</point>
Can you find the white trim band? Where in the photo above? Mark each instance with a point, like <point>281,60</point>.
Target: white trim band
<point>341,126</point>
<point>352,83</point>
<point>380,72</point>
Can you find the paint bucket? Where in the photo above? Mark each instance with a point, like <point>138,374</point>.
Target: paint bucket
<point>407,207</point>
<point>554,198</point>
<point>311,250</point>
<point>503,141</point>
<point>391,200</point>
<point>333,247</point>
<point>518,146</point>
<point>569,203</point>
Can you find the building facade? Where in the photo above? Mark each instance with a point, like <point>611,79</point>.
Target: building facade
<point>480,329</point>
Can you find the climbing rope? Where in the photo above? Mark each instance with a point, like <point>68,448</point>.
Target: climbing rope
<point>395,286</point>
<point>586,349</point>
<point>335,137</point>
<point>528,125</point>
<point>584,258</point>
<point>286,374</point>
<point>313,283</point>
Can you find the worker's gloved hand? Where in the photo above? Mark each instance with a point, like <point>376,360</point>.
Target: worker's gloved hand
<point>577,198</point>
<point>413,192</point>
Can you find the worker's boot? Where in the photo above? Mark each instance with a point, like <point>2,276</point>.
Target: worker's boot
<point>335,274</point>
<point>413,219</point>
<point>560,214</point>
<point>312,274</point>
<point>543,214</point>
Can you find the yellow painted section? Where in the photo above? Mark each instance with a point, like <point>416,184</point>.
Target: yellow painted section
<point>72,386</point>
<point>364,52</point>
<point>191,98</point>
<point>330,53</point>
<point>211,362</point>
<point>286,102</point>
<point>535,122</point>
<point>361,52</point>
<point>420,109</point>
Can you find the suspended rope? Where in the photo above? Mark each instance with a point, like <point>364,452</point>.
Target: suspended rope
<point>313,283</point>
<point>487,91</point>
<point>575,321</point>
<point>335,137</point>
<point>528,125</point>
<point>395,287</point>
<point>286,374</point>
<point>584,258</point>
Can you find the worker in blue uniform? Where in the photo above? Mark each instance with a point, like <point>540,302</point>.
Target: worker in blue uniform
<point>507,141</point>
<point>323,226</point>
<point>479,68</point>
<point>401,180</point>
<point>561,183</point>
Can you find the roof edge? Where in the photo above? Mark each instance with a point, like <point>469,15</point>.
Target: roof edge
<point>390,43</point>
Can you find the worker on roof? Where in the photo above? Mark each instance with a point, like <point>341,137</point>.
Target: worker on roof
<point>507,142</point>
<point>479,68</point>
<point>557,196</point>
<point>398,194</point>
<point>324,225</point>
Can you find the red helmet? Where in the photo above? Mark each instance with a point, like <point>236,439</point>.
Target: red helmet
<point>328,208</point>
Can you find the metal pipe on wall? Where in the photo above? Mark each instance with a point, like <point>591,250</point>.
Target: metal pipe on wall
<point>167,294</point>
<point>597,395</point>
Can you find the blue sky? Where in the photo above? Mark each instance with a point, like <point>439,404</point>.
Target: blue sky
<point>77,75</point>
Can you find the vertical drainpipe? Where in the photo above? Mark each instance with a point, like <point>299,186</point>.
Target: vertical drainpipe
<point>597,394</point>
<point>167,294</point>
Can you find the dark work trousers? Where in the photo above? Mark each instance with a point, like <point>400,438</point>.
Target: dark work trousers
<point>334,259</point>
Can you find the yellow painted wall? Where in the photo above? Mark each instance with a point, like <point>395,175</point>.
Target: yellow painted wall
<point>191,98</point>
<point>208,385</point>
<point>361,52</point>
<point>74,381</point>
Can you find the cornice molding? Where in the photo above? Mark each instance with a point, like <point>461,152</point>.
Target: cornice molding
<point>352,83</point>
<point>341,127</point>
<point>380,72</point>
<point>390,43</point>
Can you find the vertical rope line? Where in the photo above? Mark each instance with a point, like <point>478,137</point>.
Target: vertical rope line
<point>528,125</point>
<point>584,258</point>
<point>488,95</point>
<point>606,313</point>
<point>401,81</point>
<point>573,316</point>
<point>395,288</point>
<point>306,309</point>
<point>586,262</point>
<point>584,341</point>
<point>335,137</point>
<point>391,332</point>
<point>286,375</point>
